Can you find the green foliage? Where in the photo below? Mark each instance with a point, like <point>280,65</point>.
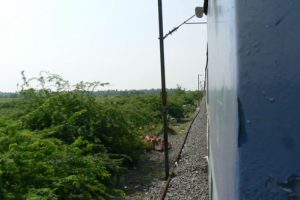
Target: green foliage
<point>64,143</point>
<point>181,103</point>
<point>141,110</point>
<point>33,166</point>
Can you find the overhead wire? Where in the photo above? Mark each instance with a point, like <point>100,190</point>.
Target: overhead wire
<point>185,22</point>
<point>177,27</point>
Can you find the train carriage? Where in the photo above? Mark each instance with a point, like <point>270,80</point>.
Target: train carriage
<point>253,99</point>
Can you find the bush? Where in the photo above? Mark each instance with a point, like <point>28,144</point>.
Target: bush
<point>68,144</point>
<point>65,145</point>
<point>33,167</point>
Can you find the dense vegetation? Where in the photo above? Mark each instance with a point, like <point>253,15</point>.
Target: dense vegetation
<point>7,95</point>
<point>65,143</point>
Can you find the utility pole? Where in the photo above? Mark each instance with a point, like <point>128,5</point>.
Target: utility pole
<point>198,89</point>
<point>198,13</point>
<point>163,88</point>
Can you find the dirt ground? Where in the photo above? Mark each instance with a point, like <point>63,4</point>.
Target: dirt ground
<point>150,168</point>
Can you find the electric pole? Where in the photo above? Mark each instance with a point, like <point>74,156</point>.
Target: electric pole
<point>163,87</point>
<point>198,89</point>
<point>198,13</point>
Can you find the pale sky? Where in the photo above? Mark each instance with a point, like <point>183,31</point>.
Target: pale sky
<point>113,41</point>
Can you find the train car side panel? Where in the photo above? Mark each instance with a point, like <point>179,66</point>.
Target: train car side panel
<point>222,98</point>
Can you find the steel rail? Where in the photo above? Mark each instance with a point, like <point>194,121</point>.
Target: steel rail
<point>165,188</point>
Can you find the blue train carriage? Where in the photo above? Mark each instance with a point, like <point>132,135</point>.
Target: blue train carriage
<point>253,101</point>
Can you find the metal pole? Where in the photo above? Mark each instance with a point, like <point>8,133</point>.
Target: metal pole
<point>163,87</point>
<point>198,89</point>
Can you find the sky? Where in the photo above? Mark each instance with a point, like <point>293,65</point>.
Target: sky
<point>113,41</point>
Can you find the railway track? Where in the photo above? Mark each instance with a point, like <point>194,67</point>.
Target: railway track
<point>188,175</point>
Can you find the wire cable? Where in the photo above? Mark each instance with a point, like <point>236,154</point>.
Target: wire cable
<point>177,27</point>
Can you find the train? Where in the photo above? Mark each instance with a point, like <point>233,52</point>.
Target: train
<point>253,99</point>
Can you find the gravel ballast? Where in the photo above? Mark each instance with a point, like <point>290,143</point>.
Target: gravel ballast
<point>190,180</point>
